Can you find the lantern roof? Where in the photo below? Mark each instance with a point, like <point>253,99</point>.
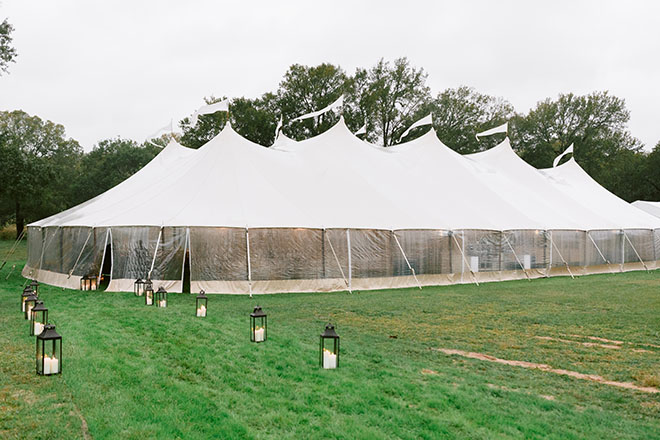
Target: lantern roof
<point>39,307</point>
<point>201,294</point>
<point>330,332</point>
<point>49,333</point>
<point>258,312</point>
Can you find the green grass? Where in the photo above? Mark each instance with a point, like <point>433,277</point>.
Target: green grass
<point>137,372</point>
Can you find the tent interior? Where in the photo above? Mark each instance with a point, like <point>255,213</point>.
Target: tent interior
<point>336,213</point>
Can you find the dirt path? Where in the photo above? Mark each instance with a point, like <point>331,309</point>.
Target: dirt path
<point>585,344</point>
<point>547,368</point>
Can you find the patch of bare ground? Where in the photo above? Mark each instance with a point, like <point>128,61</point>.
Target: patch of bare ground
<point>549,369</point>
<point>585,344</point>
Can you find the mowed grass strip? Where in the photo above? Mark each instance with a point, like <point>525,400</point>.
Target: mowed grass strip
<point>133,371</point>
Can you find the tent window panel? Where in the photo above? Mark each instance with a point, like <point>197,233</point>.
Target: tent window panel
<point>609,243</point>
<point>53,252</point>
<point>642,240</point>
<point>571,246</point>
<point>482,249</point>
<point>371,253</point>
<point>169,256</point>
<point>34,238</point>
<point>330,268</point>
<point>218,254</point>
<point>427,251</point>
<point>133,251</point>
<point>656,234</point>
<point>286,254</point>
<point>532,247</point>
<point>92,255</point>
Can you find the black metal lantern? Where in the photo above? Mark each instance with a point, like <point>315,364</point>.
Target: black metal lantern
<point>30,302</point>
<point>34,285</point>
<point>49,352</point>
<point>88,282</point>
<point>26,293</point>
<point>38,318</point>
<point>258,325</point>
<point>148,294</point>
<point>161,297</point>
<point>329,348</point>
<point>138,287</point>
<point>200,304</point>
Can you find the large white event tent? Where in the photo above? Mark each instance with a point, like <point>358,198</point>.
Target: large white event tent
<point>652,208</point>
<point>333,213</point>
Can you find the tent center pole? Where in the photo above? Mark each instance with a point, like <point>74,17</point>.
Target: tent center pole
<point>249,266</point>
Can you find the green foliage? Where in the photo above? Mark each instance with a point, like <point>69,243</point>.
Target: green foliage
<point>110,162</point>
<point>38,165</point>
<point>7,52</point>
<point>459,114</point>
<point>394,94</point>
<point>132,371</point>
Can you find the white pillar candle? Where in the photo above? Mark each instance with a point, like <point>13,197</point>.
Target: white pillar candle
<point>259,334</point>
<point>46,365</point>
<point>163,303</point>
<point>201,311</point>
<point>38,328</point>
<point>149,300</point>
<point>54,365</point>
<point>29,309</point>
<point>329,359</point>
<point>23,305</point>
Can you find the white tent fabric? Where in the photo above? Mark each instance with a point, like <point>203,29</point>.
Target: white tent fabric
<point>334,212</point>
<point>652,208</point>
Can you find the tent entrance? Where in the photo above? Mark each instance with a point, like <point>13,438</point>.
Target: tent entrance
<point>106,269</point>
<point>186,273</point>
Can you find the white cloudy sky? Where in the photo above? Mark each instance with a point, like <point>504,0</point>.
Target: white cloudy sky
<point>109,68</point>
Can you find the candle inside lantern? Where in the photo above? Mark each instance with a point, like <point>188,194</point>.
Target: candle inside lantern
<point>29,309</point>
<point>150,300</point>
<point>201,311</point>
<point>259,333</point>
<point>163,303</point>
<point>38,328</point>
<point>23,304</point>
<point>329,359</point>
<point>46,364</point>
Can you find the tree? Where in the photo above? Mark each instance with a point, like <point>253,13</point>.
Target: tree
<point>207,127</point>
<point>458,114</point>
<point>39,164</point>
<point>306,89</point>
<point>595,124</point>
<point>650,175</point>
<point>110,162</point>
<point>392,97</point>
<point>7,52</point>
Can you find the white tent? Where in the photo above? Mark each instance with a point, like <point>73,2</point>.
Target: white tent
<point>329,213</point>
<point>652,208</point>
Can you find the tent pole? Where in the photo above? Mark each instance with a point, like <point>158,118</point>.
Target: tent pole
<point>337,260</point>
<point>463,255</point>
<point>562,259</point>
<point>550,262</point>
<point>81,252</point>
<point>249,266</point>
<point>407,262</point>
<point>153,260</point>
<point>609,265</point>
<point>635,250</point>
<point>350,264</point>
<point>623,252</point>
<point>522,266</point>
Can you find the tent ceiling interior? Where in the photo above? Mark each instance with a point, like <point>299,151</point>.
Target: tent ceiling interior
<point>334,212</point>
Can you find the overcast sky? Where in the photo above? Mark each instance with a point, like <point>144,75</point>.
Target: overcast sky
<point>124,68</point>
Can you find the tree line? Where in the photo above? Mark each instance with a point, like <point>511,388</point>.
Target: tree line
<point>44,171</point>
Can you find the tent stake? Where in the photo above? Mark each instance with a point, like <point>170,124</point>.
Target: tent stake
<point>407,262</point>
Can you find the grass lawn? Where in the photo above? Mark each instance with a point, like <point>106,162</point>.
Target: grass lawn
<point>137,372</point>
